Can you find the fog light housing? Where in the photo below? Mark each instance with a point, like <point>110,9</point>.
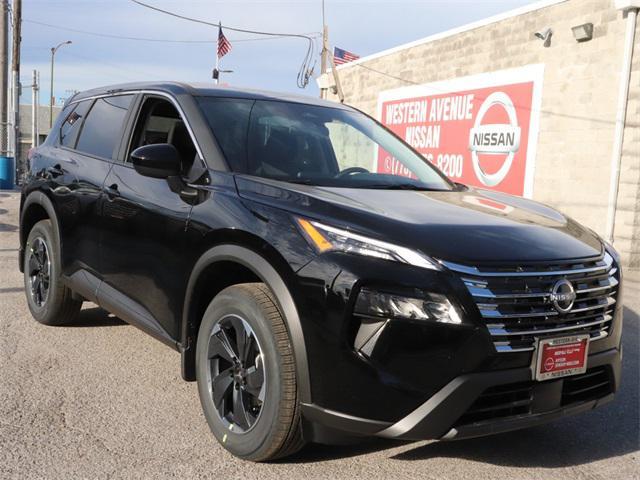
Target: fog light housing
<point>433,307</point>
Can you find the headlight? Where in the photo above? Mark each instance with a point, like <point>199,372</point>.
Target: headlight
<point>433,307</point>
<point>325,238</point>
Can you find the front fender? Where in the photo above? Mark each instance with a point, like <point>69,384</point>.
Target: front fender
<point>263,269</point>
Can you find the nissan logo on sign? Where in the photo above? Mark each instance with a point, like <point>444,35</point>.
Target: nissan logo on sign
<point>494,139</point>
<point>479,130</point>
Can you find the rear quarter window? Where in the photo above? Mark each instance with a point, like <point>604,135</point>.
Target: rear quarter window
<point>71,125</point>
<point>102,129</point>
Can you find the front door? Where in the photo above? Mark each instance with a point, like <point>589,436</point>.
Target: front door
<point>144,221</point>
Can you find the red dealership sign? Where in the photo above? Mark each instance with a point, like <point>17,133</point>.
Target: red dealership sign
<point>480,130</point>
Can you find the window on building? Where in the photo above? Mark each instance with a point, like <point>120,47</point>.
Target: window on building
<point>102,129</point>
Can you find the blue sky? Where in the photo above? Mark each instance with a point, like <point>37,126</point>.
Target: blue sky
<point>361,26</point>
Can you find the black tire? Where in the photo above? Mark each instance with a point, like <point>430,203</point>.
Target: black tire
<point>277,429</point>
<point>59,307</point>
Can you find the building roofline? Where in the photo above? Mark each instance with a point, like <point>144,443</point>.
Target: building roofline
<point>457,30</point>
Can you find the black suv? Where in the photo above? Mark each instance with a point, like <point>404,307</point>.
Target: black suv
<point>311,295</point>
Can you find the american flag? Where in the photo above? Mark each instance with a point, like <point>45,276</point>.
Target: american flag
<point>224,46</point>
<point>341,56</point>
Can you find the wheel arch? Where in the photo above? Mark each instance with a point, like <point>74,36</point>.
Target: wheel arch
<point>262,270</point>
<point>36,207</point>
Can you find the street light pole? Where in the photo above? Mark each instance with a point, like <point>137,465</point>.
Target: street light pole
<point>51,97</point>
<point>34,109</point>
<point>4,78</point>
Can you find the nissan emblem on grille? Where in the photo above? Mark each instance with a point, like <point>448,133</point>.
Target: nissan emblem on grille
<point>521,304</point>
<point>563,295</point>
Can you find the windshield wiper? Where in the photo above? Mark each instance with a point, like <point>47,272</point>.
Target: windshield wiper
<point>378,186</point>
<point>300,181</point>
<point>398,186</point>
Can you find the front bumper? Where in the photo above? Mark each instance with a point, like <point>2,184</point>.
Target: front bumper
<point>439,417</point>
<point>421,380</point>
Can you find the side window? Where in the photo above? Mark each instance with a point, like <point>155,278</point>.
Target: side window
<point>229,121</point>
<point>160,122</point>
<point>71,126</point>
<point>102,129</point>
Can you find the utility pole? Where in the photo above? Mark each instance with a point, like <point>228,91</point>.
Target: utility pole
<point>15,83</point>
<point>38,102</point>
<point>34,109</point>
<point>337,89</point>
<point>325,49</point>
<point>326,59</point>
<point>4,76</point>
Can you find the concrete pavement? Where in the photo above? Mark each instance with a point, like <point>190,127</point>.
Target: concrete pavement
<point>100,399</point>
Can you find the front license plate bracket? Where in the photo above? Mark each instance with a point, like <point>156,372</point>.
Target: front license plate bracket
<point>561,356</point>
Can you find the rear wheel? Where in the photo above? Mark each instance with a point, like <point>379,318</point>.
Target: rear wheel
<point>246,374</point>
<point>49,300</point>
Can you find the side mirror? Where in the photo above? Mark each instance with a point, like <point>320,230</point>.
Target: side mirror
<point>160,160</point>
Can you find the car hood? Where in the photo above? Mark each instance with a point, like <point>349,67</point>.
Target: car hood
<point>469,226</point>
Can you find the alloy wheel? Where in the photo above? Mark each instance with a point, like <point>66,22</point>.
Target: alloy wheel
<point>39,267</point>
<point>237,374</point>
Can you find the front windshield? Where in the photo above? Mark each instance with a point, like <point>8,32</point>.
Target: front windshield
<point>315,145</point>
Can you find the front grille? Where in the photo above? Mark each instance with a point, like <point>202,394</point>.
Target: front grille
<point>517,398</point>
<point>515,301</point>
<point>593,384</point>
<point>499,402</point>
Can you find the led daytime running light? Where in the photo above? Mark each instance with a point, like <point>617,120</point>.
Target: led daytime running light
<point>326,238</point>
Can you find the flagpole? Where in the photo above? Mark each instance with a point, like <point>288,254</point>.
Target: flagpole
<point>217,79</point>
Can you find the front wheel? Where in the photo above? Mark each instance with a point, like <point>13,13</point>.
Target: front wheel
<point>246,374</point>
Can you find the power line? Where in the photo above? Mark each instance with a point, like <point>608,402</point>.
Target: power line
<point>116,68</point>
<point>306,70</point>
<point>138,74</point>
<point>212,24</point>
<point>410,82</point>
<point>142,39</point>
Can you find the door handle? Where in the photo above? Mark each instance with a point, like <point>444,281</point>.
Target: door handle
<point>112,191</point>
<point>55,171</point>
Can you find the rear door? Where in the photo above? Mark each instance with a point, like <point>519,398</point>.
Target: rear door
<point>144,224</point>
<point>78,163</point>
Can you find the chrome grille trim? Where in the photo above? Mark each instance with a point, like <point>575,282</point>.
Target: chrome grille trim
<point>496,314</point>
<point>487,311</point>
<point>477,292</point>
<point>509,349</point>
<point>475,271</point>
<point>485,292</point>
<point>505,347</point>
<point>496,331</point>
<point>610,302</point>
<point>612,284</point>
<point>516,302</point>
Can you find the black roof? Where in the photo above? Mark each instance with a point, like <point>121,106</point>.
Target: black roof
<point>207,90</point>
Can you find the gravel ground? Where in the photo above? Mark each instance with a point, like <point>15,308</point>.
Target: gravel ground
<point>100,399</point>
